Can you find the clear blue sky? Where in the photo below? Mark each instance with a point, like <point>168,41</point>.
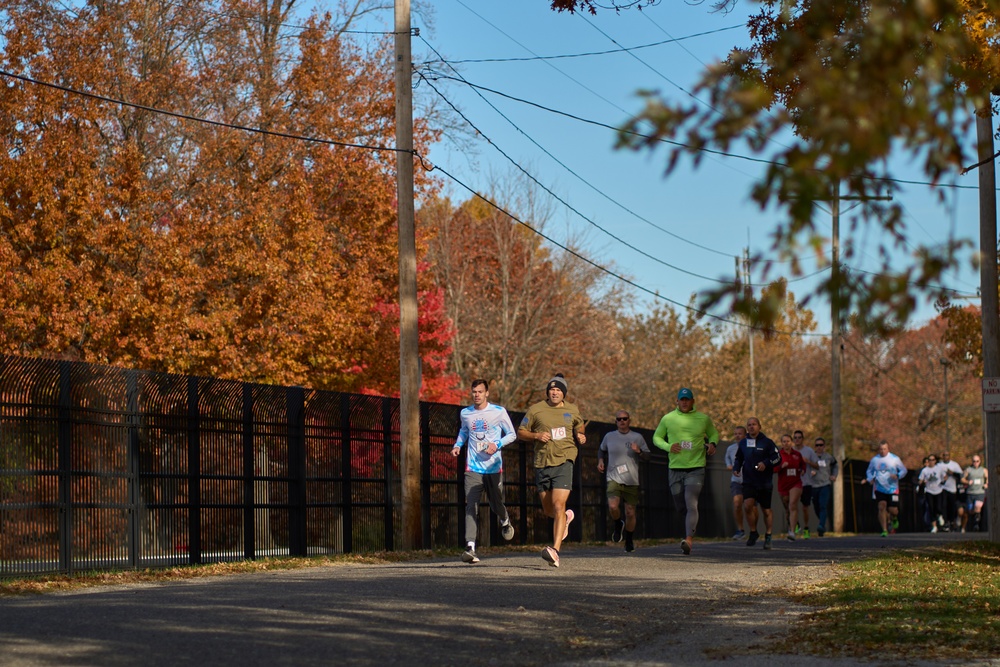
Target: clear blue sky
<point>623,191</point>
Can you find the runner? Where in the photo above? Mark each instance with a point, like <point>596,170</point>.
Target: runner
<point>884,472</point>
<point>756,459</point>
<point>623,448</point>
<point>687,436</point>
<point>555,427</point>
<point>736,481</point>
<point>485,429</point>
<point>790,472</point>
<point>977,480</point>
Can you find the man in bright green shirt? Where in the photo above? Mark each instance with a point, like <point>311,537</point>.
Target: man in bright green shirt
<point>688,436</point>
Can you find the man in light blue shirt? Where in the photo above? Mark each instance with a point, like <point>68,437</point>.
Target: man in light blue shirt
<point>884,472</point>
<point>486,428</point>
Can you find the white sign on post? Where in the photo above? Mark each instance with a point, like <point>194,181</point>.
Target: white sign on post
<point>991,394</point>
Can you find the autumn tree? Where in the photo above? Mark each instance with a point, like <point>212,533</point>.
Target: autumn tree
<point>856,83</point>
<point>663,350</point>
<point>139,238</point>
<point>521,310</point>
<point>791,369</point>
<point>894,389</point>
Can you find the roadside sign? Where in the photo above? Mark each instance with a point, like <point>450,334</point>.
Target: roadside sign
<point>991,394</point>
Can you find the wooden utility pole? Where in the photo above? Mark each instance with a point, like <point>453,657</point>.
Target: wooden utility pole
<point>749,289</point>
<point>409,355</point>
<point>836,434</point>
<point>991,308</point>
<point>836,352</point>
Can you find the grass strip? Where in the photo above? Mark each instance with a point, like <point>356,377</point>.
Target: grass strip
<point>939,602</point>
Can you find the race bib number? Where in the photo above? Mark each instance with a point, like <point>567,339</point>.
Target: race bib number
<point>822,463</point>
<point>792,472</point>
<point>977,482</point>
<point>481,446</point>
<point>622,469</point>
<point>895,497</point>
<point>559,433</point>
<point>685,444</point>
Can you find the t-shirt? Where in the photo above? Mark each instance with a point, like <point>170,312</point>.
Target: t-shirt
<point>479,429</point>
<point>623,462</point>
<point>561,422</point>
<point>731,459</point>
<point>691,430</point>
<point>977,480</point>
<point>808,454</point>
<point>931,477</point>
<point>827,466</point>
<point>952,473</point>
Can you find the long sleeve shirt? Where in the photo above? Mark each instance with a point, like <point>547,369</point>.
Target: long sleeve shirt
<point>752,451</point>
<point>691,430</point>
<point>884,472</point>
<point>480,428</point>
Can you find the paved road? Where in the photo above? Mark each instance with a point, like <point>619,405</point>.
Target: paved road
<point>602,607</point>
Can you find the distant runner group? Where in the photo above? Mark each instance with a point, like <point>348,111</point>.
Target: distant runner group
<point>556,429</point>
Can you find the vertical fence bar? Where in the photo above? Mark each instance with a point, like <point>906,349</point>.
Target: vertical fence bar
<point>249,520</point>
<point>132,466</point>
<point>390,524</point>
<point>194,471</point>
<point>297,538</point>
<point>425,474</point>
<point>522,470</point>
<point>65,467</point>
<point>346,495</point>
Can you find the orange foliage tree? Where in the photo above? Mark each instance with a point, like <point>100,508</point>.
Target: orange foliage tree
<point>142,239</point>
<point>522,311</point>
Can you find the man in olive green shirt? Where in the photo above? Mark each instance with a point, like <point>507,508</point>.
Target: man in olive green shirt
<point>687,436</point>
<point>554,427</point>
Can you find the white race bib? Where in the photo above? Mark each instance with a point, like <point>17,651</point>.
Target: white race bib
<point>559,433</point>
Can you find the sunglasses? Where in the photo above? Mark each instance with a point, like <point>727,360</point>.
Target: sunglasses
<point>621,419</point>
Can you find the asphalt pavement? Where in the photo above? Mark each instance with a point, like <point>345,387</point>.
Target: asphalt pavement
<point>654,606</point>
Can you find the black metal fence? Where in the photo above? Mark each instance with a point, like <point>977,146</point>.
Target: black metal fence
<point>102,467</point>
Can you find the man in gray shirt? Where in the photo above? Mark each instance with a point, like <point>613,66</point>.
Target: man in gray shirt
<point>623,449</point>
<point>823,478</point>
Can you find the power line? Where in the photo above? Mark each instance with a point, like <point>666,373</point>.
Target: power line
<point>679,144</point>
<point>574,173</point>
<point>618,276</point>
<point>196,119</point>
<point>623,49</point>
<point>563,201</point>
<point>296,137</point>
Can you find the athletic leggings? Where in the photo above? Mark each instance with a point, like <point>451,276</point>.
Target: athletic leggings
<point>685,487</point>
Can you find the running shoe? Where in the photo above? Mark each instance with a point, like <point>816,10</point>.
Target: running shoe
<point>934,528</point>
<point>551,555</point>
<point>569,519</point>
<point>629,544</point>
<point>885,533</point>
<point>767,542</point>
<point>507,530</point>
<point>791,536</point>
<point>685,547</point>
<point>752,540</point>
<point>820,533</point>
<point>805,534</point>
<point>470,557</point>
<point>616,536</point>
<point>798,529</point>
<point>739,535</point>
<point>895,523</point>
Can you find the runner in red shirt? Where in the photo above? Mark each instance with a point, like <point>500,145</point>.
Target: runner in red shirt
<point>789,473</point>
